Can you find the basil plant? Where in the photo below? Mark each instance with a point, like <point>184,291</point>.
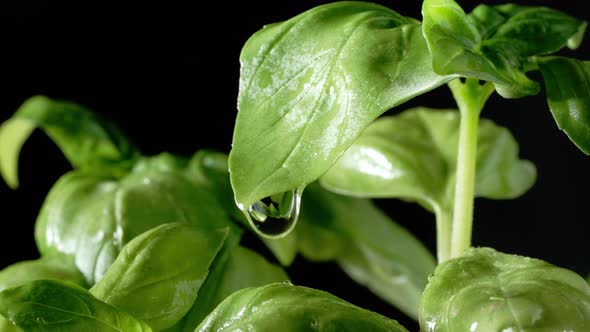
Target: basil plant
<point>136,242</point>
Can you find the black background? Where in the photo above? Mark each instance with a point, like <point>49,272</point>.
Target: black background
<point>167,74</point>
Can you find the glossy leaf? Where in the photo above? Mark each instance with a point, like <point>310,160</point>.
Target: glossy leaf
<point>567,83</point>
<point>91,216</point>
<point>18,274</point>
<point>495,43</point>
<point>310,84</point>
<point>412,156</point>
<point>157,275</point>
<point>288,308</point>
<point>51,305</point>
<point>486,290</point>
<point>86,139</point>
<point>370,247</point>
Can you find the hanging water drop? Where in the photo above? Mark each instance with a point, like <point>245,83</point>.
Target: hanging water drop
<point>275,216</point>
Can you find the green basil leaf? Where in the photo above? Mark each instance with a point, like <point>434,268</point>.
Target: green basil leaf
<point>20,273</point>
<point>157,275</point>
<point>284,307</point>
<point>86,139</point>
<point>486,290</point>
<point>370,247</point>
<point>567,83</point>
<point>90,216</point>
<point>495,43</point>
<point>310,84</point>
<point>52,305</point>
<point>413,154</point>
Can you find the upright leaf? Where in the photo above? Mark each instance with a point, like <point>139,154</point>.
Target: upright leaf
<point>567,82</point>
<point>51,305</point>
<point>86,139</point>
<point>486,290</point>
<point>157,275</point>
<point>310,84</point>
<point>496,43</point>
<point>284,307</point>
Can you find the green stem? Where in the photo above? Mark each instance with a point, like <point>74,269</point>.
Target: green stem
<point>471,98</point>
<point>443,234</point>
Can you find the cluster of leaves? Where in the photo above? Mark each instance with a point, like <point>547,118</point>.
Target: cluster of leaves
<point>130,242</point>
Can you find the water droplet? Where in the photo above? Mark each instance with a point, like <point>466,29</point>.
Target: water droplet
<point>276,216</point>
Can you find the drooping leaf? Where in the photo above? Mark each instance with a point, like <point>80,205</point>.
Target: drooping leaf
<point>567,82</point>
<point>495,43</point>
<point>486,290</point>
<point>310,84</point>
<point>90,216</point>
<point>18,274</point>
<point>86,139</point>
<point>412,156</point>
<point>289,308</point>
<point>157,275</point>
<point>52,305</point>
<point>370,247</point>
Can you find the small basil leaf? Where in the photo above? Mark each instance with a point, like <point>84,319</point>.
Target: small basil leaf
<point>370,247</point>
<point>491,291</point>
<point>20,273</point>
<point>413,154</point>
<point>567,83</point>
<point>495,43</point>
<point>86,139</point>
<point>52,305</point>
<point>309,85</point>
<point>90,216</point>
<point>157,275</point>
<point>284,307</point>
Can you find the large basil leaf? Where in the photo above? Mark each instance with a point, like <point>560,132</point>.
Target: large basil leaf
<point>52,305</point>
<point>567,82</point>
<point>310,84</point>
<point>20,273</point>
<point>157,275</point>
<point>486,290</point>
<point>86,139</point>
<point>496,43</point>
<point>289,308</point>
<point>413,154</point>
<point>370,247</point>
<point>91,216</point>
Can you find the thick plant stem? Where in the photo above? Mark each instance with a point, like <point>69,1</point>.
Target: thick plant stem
<point>443,235</point>
<point>471,98</point>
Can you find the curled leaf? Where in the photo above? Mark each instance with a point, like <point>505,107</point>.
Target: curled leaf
<point>86,139</point>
